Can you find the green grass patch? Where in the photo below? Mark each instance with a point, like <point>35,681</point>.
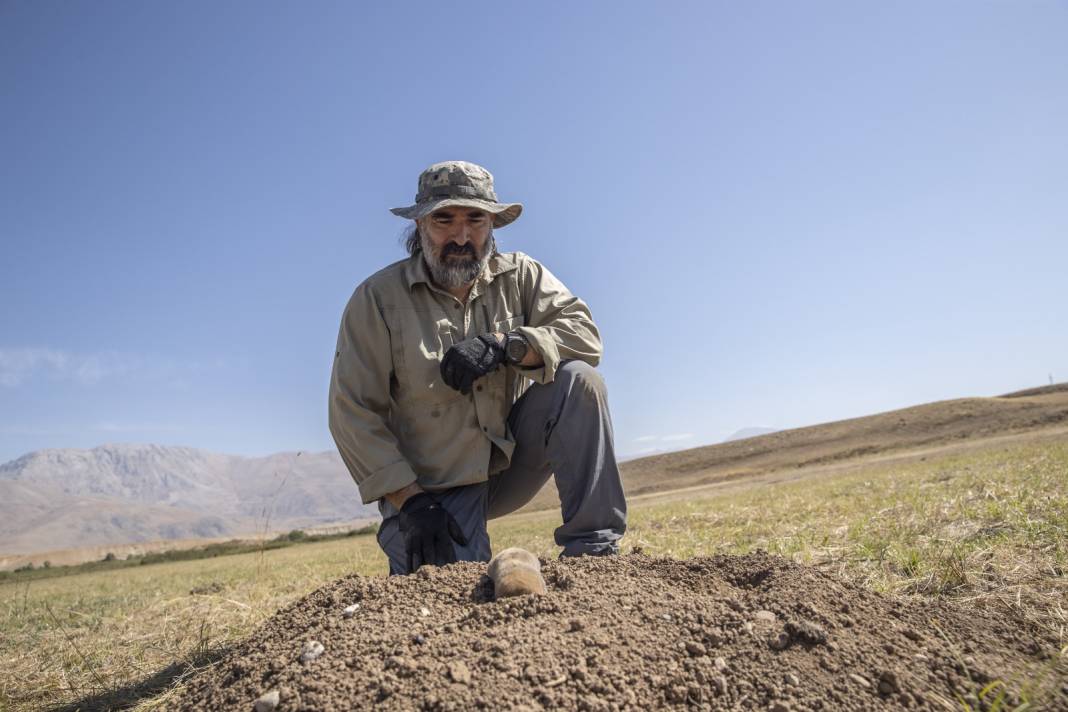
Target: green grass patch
<point>226,548</point>
<point>992,524</point>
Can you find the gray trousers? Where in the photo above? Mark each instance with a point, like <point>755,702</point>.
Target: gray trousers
<point>561,427</point>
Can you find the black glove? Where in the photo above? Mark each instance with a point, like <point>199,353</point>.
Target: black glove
<point>469,360</point>
<point>428,532</point>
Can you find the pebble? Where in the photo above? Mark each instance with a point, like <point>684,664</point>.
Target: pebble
<point>418,638</point>
<point>780,707</point>
<point>695,649</point>
<point>350,611</point>
<point>575,625</point>
<point>721,684</point>
<point>859,679</point>
<point>311,650</point>
<point>792,679</point>
<point>424,611</point>
<point>764,617</point>
<point>459,672</point>
<point>720,663</point>
<point>779,641</point>
<point>266,702</point>
<point>888,682</point>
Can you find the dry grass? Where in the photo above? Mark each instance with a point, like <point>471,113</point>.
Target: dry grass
<point>991,528</point>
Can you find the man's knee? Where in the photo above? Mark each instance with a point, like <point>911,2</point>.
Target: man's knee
<point>582,374</point>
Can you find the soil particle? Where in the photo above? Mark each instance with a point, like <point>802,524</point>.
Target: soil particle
<point>764,617</point>
<point>266,702</point>
<point>887,682</point>
<point>311,650</point>
<point>459,672</point>
<point>525,652</point>
<point>695,649</point>
<point>859,679</point>
<point>779,641</point>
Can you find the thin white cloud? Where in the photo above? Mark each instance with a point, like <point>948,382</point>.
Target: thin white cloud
<point>16,365</point>
<point>19,365</point>
<point>645,439</point>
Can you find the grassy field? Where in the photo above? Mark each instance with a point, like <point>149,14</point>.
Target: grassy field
<point>990,527</point>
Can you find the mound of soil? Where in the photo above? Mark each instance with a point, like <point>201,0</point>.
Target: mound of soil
<point>628,632</point>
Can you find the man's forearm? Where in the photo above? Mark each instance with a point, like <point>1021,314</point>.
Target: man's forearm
<point>398,498</point>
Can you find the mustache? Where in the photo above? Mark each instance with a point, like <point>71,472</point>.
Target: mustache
<point>452,248</point>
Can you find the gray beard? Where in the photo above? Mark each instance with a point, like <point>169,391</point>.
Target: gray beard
<point>455,273</point>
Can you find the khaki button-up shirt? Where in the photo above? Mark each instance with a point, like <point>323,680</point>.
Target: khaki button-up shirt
<point>394,420</point>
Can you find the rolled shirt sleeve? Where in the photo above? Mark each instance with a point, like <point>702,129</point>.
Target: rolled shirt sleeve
<point>559,324</point>
<point>359,400</point>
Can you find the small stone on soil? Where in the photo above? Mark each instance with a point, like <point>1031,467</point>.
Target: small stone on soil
<point>779,641</point>
<point>267,702</point>
<point>459,672</point>
<point>888,682</point>
<point>764,617</point>
<point>424,611</point>
<point>350,611</point>
<point>720,663</point>
<point>695,649</point>
<point>859,679</point>
<point>575,625</point>
<point>792,679</point>
<point>311,650</point>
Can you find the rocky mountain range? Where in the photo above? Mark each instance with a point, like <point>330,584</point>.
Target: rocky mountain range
<point>129,493</point>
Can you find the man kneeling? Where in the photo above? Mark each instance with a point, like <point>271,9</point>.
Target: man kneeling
<point>427,402</point>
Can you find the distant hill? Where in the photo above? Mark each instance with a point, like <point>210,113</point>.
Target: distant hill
<point>895,431</point>
<point>124,494</point>
<point>750,433</point>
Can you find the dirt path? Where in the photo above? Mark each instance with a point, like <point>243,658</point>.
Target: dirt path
<point>629,632</point>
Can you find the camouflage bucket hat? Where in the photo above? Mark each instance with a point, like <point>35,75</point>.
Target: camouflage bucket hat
<point>458,183</point>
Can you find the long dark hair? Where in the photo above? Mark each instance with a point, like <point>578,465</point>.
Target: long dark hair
<point>412,239</point>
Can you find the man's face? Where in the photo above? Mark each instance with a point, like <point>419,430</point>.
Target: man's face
<point>457,243</point>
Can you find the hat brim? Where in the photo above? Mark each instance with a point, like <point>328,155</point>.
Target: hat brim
<point>503,213</point>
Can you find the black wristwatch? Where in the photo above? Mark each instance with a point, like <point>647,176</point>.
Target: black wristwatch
<point>515,347</point>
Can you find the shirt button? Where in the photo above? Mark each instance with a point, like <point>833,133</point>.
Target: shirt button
<point>478,388</point>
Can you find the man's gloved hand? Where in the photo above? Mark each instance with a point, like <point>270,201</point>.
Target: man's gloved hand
<point>429,532</point>
<point>470,360</point>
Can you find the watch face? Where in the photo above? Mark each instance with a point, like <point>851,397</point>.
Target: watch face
<point>516,349</point>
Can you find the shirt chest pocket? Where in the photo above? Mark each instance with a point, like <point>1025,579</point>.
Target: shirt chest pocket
<point>417,362</point>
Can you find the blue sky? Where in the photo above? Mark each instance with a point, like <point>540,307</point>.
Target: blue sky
<point>779,213</point>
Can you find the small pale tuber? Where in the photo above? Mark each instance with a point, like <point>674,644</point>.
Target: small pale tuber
<point>516,572</point>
